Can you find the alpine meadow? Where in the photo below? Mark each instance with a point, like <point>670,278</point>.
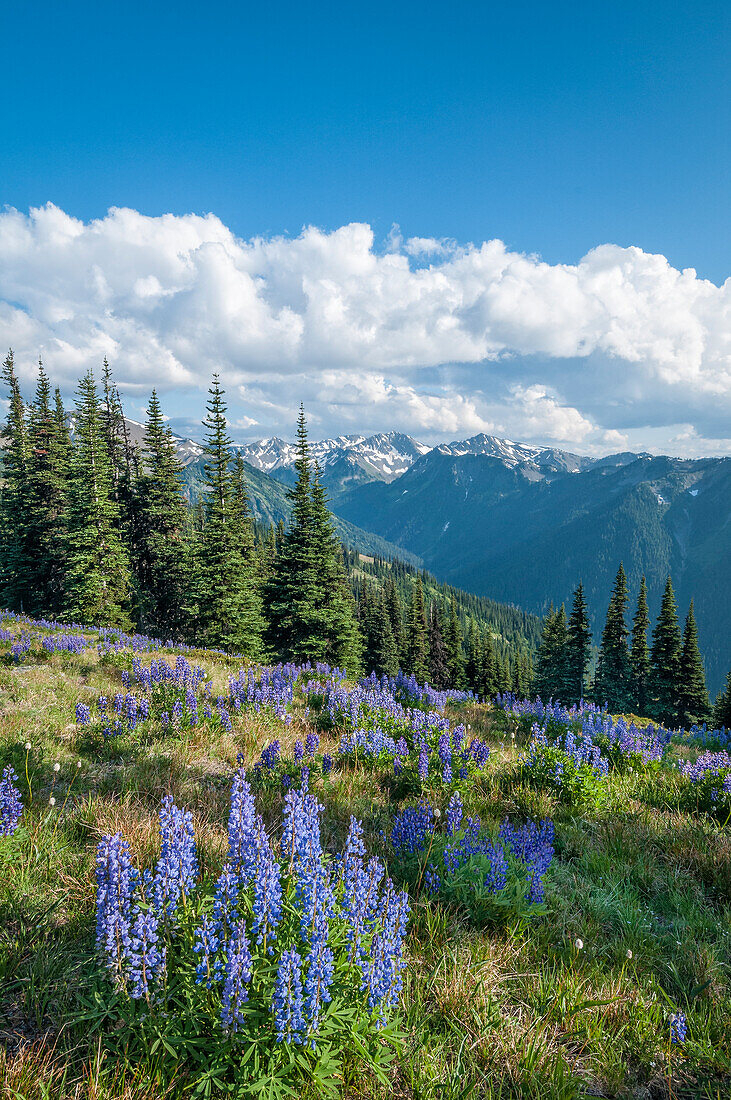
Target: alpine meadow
<point>365,551</point>
<point>279,815</point>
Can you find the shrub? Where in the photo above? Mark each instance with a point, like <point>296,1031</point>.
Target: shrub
<point>573,768</point>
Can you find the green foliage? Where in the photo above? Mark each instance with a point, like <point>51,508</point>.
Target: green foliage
<point>694,705</point>
<point>578,648</point>
<point>640,653</point>
<point>98,578</point>
<point>612,685</point>
<point>228,602</point>
<point>161,552</point>
<point>578,784</point>
<point>666,654</point>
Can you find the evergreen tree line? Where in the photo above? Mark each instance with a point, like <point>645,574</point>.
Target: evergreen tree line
<point>663,679</point>
<point>410,621</point>
<point>98,531</point>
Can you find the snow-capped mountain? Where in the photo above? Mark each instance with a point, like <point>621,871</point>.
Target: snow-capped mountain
<point>381,457</point>
<point>188,449</point>
<point>518,454</point>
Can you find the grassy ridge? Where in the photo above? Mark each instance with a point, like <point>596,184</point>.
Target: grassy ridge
<point>485,1013</point>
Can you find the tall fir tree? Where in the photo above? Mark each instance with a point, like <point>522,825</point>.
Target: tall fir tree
<point>487,679</point>
<point>640,654</point>
<point>49,475</point>
<point>161,553</point>
<point>337,619</point>
<point>454,646</point>
<point>665,657</point>
<point>14,525</point>
<point>694,704</point>
<point>98,576</point>
<point>395,611</point>
<point>417,644</point>
<point>551,662</point>
<point>292,591</point>
<point>612,685</point>
<point>123,457</point>
<point>311,611</point>
<point>439,674</point>
<point>578,647</point>
<point>227,604</point>
<point>380,654</point>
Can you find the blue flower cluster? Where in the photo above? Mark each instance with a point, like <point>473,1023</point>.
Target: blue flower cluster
<point>286,927</point>
<point>708,782</point>
<point>134,910</point>
<point>11,808</point>
<point>524,851</point>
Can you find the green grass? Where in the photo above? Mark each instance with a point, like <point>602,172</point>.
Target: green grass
<point>484,1014</point>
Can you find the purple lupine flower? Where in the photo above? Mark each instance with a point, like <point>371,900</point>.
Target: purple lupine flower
<point>177,867</point>
<point>238,975</point>
<point>299,752</point>
<point>145,958</point>
<point>207,942</point>
<point>382,968</point>
<point>11,807</point>
<point>271,754</point>
<point>115,879</point>
<point>242,828</point>
<point>678,1027</point>
<point>411,827</point>
<point>267,903</point>
<point>327,763</point>
<point>423,762</point>
<point>454,814</point>
<point>83,714</point>
<point>312,743</point>
<point>432,881</point>
<point>289,1021</point>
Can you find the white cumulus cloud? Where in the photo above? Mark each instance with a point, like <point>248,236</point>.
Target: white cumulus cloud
<point>371,336</point>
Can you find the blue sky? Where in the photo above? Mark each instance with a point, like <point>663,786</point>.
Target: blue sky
<point>553,127</point>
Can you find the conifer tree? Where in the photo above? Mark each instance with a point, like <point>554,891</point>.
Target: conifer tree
<point>161,553</point>
<point>292,591</point>
<point>227,602</point>
<point>14,550</point>
<point>666,653</point>
<point>337,620</point>
<point>640,654</point>
<point>439,673</point>
<point>97,586</point>
<point>473,655</point>
<point>578,647</point>
<point>380,649</point>
<point>49,473</point>
<point>396,618</point>
<point>454,647</point>
<point>488,679</point>
<point>123,463</point>
<point>312,614</point>
<point>613,675</point>
<point>694,705</point>
<point>722,707</point>
<point>417,655</point>
<point>551,662</point>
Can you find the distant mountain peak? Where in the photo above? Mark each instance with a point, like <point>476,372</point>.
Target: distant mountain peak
<point>381,457</point>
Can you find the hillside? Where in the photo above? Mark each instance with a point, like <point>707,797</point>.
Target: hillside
<point>526,535</point>
<point>270,504</point>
